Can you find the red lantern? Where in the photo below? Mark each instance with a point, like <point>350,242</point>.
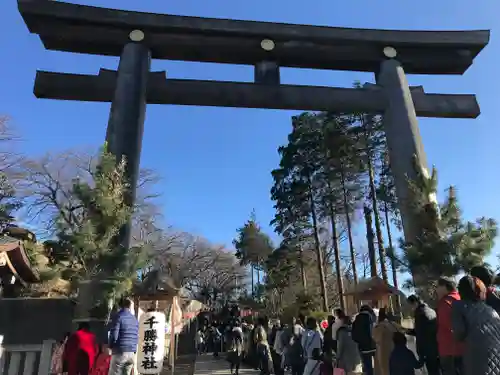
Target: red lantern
<point>324,324</point>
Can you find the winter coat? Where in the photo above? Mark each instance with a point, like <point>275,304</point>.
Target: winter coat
<point>236,346</point>
<point>403,361</point>
<point>425,332</point>
<point>348,357</point>
<point>448,346</point>
<point>102,364</point>
<point>493,300</point>
<point>80,352</point>
<point>478,326</point>
<point>383,334</point>
<point>328,340</point>
<point>124,332</point>
<point>362,332</point>
<point>260,335</point>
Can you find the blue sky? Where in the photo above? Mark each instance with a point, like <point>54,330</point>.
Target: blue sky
<point>215,162</point>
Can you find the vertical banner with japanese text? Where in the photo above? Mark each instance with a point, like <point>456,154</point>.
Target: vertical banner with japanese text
<point>151,343</point>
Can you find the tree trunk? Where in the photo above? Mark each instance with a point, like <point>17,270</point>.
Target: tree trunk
<point>251,272</point>
<point>336,252</point>
<point>391,248</point>
<point>302,269</point>
<point>393,260</point>
<point>349,228</point>
<point>378,230</point>
<point>369,238</point>
<point>319,253</point>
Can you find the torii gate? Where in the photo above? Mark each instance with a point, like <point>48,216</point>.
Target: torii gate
<point>138,37</point>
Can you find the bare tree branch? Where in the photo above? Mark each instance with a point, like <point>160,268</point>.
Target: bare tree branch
<point>46,184</point>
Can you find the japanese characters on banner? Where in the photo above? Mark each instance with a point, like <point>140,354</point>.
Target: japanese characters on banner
<point>151,343</point>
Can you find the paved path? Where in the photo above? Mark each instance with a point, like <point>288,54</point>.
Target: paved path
<point>184,365</point>
<point>206,364</point>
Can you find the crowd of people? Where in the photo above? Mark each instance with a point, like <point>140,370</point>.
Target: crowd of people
<point>80,352</point>
<point>460,337</point>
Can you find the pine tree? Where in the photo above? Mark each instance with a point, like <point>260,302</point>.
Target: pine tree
<point>295,190</point>
<point>91,234</point>
<point>342,169</point>
<point>9,203</point>
<point>386,194</point>
<point>253,246</point>
<point>447,244</point>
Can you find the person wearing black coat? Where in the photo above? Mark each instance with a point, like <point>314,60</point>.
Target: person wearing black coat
<point>361,333</point>
<point>425,332</point>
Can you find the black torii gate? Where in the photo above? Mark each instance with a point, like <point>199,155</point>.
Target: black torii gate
<point>138,37</point>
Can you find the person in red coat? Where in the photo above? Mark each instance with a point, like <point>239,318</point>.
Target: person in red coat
<point>81,350</point>
<point>102,362</point>
<point>450,350</point>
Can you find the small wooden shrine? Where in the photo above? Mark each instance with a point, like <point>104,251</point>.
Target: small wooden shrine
<point>15,268</point>
<point>373,291</point>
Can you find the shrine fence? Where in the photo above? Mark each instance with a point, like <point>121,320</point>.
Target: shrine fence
<point>26,359</point>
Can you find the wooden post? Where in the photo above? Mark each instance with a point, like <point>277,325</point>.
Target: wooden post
<point>137,302</point>
<point>45,357</point>
<point>29,363</point>
<point>2,355</point>
<point>172,334</point>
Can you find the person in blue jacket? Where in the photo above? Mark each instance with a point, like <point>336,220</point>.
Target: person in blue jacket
<point>123,340</point>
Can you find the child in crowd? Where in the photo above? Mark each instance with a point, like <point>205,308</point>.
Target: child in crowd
<point>57,366</point>
<point>402,360</point>
<point>102,362</point>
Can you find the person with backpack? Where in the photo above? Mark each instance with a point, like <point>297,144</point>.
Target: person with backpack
<point>312,344</point>
<point>235,348</point>
<point>362,329</point>
<point>347,355</point>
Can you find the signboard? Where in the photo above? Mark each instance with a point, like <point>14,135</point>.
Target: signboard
<point>151,343</point>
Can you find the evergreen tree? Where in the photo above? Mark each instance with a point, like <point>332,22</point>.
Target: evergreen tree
<point>253,246</point>
<point>386,194</point>
<point>89,232</point>
<point>295,188</point>
<point>9,203</point>
<point>341,171</point>
<point>447,244</point>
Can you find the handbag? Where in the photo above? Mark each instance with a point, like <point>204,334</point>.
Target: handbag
<point>338,371</point>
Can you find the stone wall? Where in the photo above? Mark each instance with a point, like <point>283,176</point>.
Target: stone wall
<point>32,320</point>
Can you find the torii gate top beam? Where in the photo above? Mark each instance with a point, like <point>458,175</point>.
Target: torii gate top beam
<point>85,29</point>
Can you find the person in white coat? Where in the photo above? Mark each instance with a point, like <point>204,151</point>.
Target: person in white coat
<point>312,343</point>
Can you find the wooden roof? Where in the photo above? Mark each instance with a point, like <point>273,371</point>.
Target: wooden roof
<point>13,253</point>
<point>156,287</point>
<point>374,285</point>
